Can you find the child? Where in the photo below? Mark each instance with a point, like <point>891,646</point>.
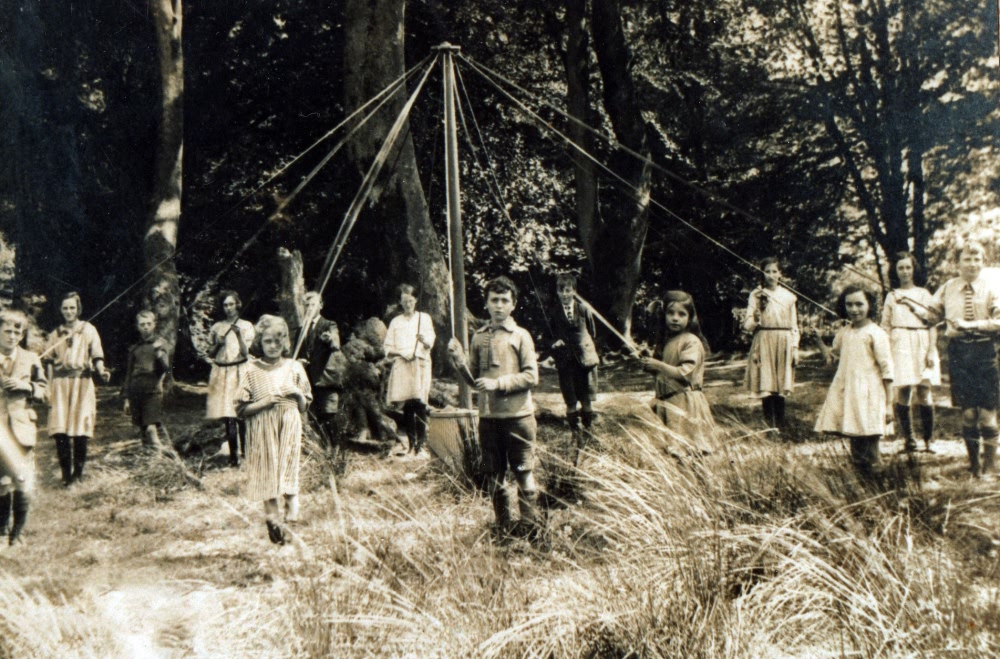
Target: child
<point>972,310</point>
<point>272,397</point>
<point>319,350</point>
<point>505,369</point>
<point>914,348</point>
<point>408,344</point>
<point>230,339</point>
<point>73,356</point>
<point>22,380</point>
<point>573,328</point>
<point>857,404</point>
<point>772,317</point>
<point>143,386</point>
<point>680,373</point>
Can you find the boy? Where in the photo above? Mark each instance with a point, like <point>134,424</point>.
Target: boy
<point>143,386</point>
<point>971,309</point>
<point>573,328</point>
<point>505,369</point>
<point>22,379</point>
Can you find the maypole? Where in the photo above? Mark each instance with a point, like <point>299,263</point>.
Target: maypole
<point>459,324</point>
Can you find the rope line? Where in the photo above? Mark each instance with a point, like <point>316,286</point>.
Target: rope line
<point>495,187</point>
<point>361,197</point>
<point>635,189</point>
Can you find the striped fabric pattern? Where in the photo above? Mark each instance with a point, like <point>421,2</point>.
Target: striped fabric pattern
<point>969,309</point>
<point>274,436</point>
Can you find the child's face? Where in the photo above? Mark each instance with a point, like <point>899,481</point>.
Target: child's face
<point>500,306</point>
<point>70,310</point>
<point>970,263</point>
<point>678,318</point>
<point>312,307</point>
<point>146,326</point>
<point>904,269</point>
<point>271,345</point>
<point>565,293</point>
<point>408,302</point>
<point>857,306</point>
<point>229,307</point>
<point>10,336</point>
<point>772,274</point>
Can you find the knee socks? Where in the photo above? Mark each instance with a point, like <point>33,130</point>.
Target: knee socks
<point>971,437</point>
<point>5,504</point>
<point>989,448</point>
<point>905,426</point>
<point>79,456</point>
<point>233,439</point>
<point>927,423</point>
<point>19,508</point>
<point>64,451</point>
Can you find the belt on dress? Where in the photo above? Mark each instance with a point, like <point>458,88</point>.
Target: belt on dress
<point>778,329</point>
<point>236,363</point>
<point>70,374</point>
<point>682,391</point>
<point>896,327</point>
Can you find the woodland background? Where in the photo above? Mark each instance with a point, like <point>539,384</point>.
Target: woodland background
<point>828,132</point>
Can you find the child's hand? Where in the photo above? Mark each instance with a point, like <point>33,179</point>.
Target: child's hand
<point>13,384</point>
<point>105,375</point>
<point>650,365</point>
<point>558,344</point>
<point>456,352</point>
<point>487,384</point>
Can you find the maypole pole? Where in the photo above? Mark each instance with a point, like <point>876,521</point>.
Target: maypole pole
<point>460,326</point>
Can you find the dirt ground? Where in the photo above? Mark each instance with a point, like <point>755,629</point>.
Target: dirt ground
<point>175,571</point>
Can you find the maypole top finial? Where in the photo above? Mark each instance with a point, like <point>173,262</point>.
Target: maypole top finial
<point>445,46</point>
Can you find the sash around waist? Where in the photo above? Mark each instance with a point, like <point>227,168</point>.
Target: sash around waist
<point>681,391</point>
<point>70,373</point>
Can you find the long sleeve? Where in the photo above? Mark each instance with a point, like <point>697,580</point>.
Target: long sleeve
<point>389,344</point>
<point>95,348</point>
<point>39,383</point>
<point>883,353</point>
<point>588,316</point>
<point>427,331</point>
<point>527,377</point>
<point>796,335</point>
<point>887,310</point>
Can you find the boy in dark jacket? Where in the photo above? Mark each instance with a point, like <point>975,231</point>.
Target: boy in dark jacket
<point>143,386</point>
<point>573,329</point>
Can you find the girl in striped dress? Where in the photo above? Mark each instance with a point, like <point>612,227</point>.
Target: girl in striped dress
<point>772,318</point>
<point>905,316</point>
<point>272,397</point>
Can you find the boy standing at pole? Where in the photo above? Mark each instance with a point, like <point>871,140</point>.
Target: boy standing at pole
<point>971,309</point>
<point>503,362</point>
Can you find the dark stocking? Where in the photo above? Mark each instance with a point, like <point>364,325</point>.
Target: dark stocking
<point>79,456</point>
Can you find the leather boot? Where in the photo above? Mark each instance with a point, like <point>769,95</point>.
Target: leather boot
<point>79,456</point>
<point>971,436</point>
<point>927,425</point>
<point>905,431</point>
<point>588,417</point>
<point>989,449</point>
<point>573,420</point>
<point>5,504</point>
<point>779,412</point>
<point>527,501</point>
<point>20,512</point>
<point>64,452</point>
<point>767,404</point>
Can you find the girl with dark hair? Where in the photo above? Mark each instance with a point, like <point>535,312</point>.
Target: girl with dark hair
<point>857,403</point>
<point>74,355</point>
<point>905,317</point>
<point>680,373</point>
<point>230,341</point>
<point>771,316</point>
<point>408,343</point>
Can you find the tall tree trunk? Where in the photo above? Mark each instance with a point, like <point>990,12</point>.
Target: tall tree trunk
<point>915,174</point>
<point>396,234</point>
<point>576,59</point>
<point>162,294</point>
<point>618,264</point>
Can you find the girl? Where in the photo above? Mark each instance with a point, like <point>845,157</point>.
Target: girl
<point>273,395</point>
<point>914,347</point>
<point>680,373</point>
<point>229,341</point>
<point>74,354</point>
<point>408,344</point>
<point>772,317</point>
<point>857,403</point>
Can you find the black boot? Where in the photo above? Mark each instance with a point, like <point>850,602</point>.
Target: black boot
<point>241,426</point>
<point>767,404</point>
<point>420,420</point>
<point>573,420</point>
<point>19,508</point>
<point>64,452</point>
<point>233,440</point>
<point>971,436</point>
<point>79,456</point>
<point>905,430</point>
<point>5,503</point>
<point>588,417</point>
<point>927,425</point>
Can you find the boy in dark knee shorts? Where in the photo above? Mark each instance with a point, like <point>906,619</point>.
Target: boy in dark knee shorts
<point>143,386</point>
<point>22,381</point>
<point>971,308</point>
<point>573,330</point>
<point>503,362</point>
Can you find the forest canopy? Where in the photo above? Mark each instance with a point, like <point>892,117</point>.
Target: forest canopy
<point>828,132</point>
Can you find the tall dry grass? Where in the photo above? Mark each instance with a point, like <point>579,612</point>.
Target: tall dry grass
<point>753,552</point>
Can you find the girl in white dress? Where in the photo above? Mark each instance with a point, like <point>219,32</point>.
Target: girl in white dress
<point>74,354</point>
<point>857,404</point>
<point>408,344</point>
<point>771,316</point>
<point>272,398</point>
<point>230,339</point>
<point>914,348</point>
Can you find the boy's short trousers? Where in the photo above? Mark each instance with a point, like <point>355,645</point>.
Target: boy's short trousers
<point>975,381</point>
<point>508,442</point>
<point>146,409</point>
<point>577,384</point>
<point>27,485</point>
